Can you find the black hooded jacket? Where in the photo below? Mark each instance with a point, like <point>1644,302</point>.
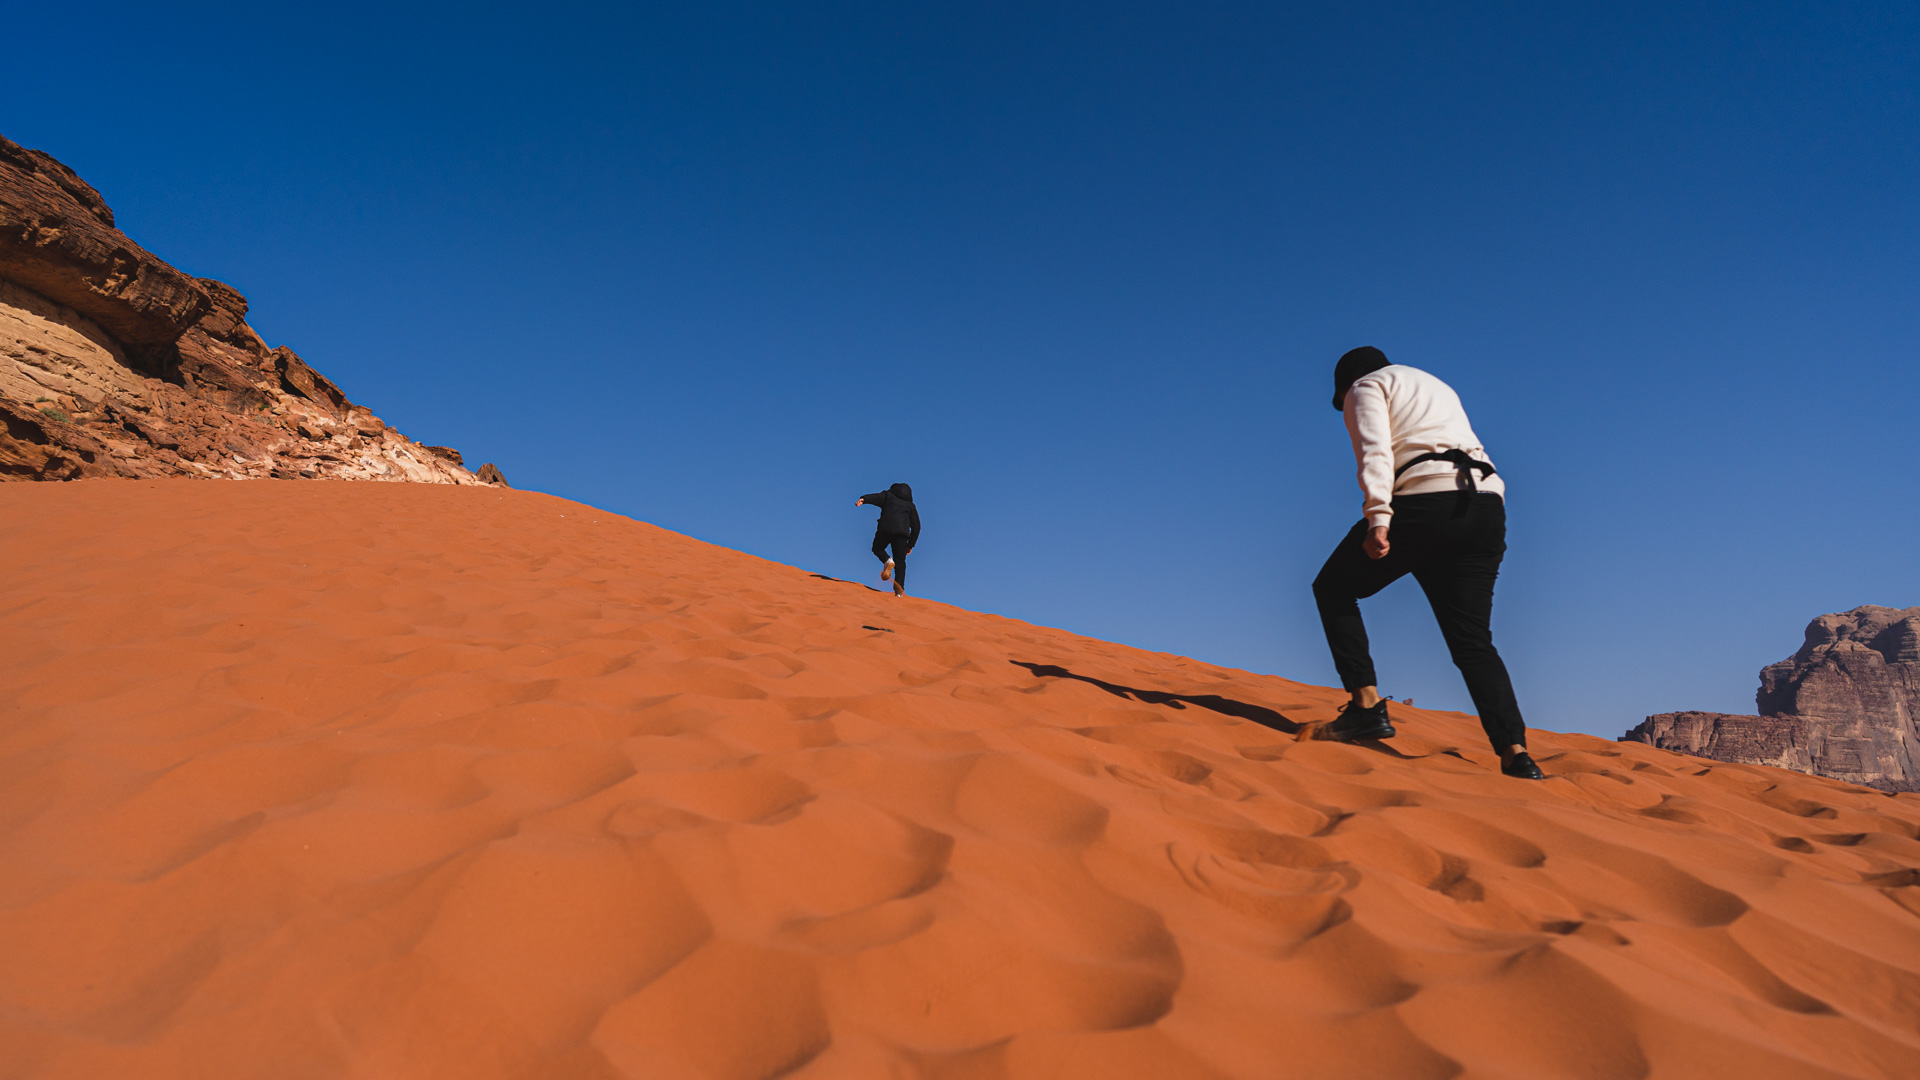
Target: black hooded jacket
<point>898,515</point>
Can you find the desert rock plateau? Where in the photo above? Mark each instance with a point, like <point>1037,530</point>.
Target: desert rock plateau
<point>302,778</point>
<point>1844,706</point>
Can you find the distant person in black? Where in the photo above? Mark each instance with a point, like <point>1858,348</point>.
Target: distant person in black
<point>899,528</point>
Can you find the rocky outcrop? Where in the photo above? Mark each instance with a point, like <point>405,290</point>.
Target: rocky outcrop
<point>57,238</point>
<point>1781,741</point>
<point>113,363</point>
<point>1843,706</point>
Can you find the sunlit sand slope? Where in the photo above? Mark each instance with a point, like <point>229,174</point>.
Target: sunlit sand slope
<point>308,779</point>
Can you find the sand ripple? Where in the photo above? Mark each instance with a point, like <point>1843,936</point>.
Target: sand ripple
<point>315,779</point>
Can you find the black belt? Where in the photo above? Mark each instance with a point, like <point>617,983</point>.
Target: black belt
<point>1466,466</point>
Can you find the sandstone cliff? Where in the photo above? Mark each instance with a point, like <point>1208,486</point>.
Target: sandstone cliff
<point>113,363</point>
<point>1843,706</point>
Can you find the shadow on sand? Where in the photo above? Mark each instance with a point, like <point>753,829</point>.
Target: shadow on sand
<point>1259,714</point>
<point>855,584</point>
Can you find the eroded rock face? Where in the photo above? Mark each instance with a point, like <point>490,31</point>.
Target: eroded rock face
<point>113,363</point>
<point>1843,706</point>
<point>57,238</point>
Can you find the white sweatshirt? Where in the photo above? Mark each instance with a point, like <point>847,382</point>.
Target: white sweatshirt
<point>1396,414</point>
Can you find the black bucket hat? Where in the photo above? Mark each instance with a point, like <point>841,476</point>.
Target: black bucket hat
<point>1357,362</point>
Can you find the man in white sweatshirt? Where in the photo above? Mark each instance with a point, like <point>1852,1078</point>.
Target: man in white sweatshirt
<point>1432,507</point>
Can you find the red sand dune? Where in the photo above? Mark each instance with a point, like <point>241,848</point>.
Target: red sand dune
<point>309,779</point>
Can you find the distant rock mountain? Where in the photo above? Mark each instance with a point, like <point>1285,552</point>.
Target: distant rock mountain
<point>113,363</point>
<point>1843,706</point>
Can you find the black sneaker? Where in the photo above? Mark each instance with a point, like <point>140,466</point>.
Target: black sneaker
<point>1521,767</point>
<point>1356,724</point>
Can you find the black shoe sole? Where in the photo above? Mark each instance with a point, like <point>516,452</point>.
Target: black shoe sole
<point>1382,731</point>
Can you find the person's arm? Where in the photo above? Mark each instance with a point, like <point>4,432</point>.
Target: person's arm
<point>871,500</point>
<point>913,533</point>
<point>1371,430</point>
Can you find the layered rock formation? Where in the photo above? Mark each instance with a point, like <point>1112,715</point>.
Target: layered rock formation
<point>113,363</point>
<point>1843,706</point>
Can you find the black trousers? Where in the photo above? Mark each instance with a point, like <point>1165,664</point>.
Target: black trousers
<point>1452,543</point>
<point>899,542</point>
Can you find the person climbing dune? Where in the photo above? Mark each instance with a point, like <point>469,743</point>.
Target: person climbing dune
<point>898,528</point>
<point>1433,507</point>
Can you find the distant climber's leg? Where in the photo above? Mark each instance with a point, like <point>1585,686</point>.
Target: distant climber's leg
<point>880,541</point>
<point>899,564</point>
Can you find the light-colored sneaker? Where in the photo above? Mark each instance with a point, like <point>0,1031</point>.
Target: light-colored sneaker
<point>886,572</point>
<point>899,589</point>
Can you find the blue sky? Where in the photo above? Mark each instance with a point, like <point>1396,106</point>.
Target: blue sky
<point>1079,274</point>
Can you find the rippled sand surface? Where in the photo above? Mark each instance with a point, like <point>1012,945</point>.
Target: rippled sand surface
<point>310,779</point>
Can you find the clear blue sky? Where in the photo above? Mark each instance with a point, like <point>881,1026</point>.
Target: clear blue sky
<point>1079,274</point>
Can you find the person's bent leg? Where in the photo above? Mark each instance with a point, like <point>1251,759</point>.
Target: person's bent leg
<point>1347,578</point>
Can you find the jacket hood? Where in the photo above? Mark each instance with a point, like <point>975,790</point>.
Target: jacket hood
<point>901,491</point>
<point>1359,362</point>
